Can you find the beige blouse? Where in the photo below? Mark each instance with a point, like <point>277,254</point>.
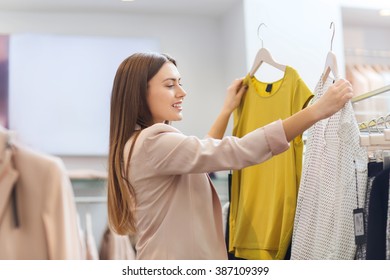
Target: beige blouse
<point>178,211</point>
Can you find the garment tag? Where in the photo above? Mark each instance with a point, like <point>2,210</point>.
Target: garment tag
<point>268,88</point>
<point>358,221</point>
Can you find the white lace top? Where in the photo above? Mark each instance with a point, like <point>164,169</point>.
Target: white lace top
<point>330,188</point>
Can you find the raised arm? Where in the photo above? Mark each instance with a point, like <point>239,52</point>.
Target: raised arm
<point>331,102</point>
<point>233,98</point>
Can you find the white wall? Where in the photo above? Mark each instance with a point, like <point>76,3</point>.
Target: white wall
<point>368,44</point>
<point>297,34</point>
<point>366,38</point>
<point>233,47</point>
<point>63,84</point>
<point>366,33</point>
<point>194,41</point>
<point>210,51</point>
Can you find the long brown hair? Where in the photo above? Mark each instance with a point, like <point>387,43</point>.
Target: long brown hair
<point>128,109</point>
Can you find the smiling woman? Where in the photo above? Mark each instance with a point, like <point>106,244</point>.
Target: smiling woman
<point>166,94</point>
<point>154,169</point>
<point>159,190</point>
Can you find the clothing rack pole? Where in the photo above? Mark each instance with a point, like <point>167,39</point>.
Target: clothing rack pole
<point>90,199</point>
<point>367,53</point>
<point>370,124</point>
<point>371,94</point>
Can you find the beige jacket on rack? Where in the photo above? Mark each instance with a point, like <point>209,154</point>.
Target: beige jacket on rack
<point>38,220</point>
<point>115,247</point>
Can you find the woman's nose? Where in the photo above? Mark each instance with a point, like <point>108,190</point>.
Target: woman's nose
<point>181,92</point>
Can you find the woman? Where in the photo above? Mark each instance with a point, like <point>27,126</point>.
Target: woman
<point>158,187</point>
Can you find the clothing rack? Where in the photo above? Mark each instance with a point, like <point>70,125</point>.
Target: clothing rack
<point>377,125</point>
<point>90,199</point>
<point>87,186</point>
<point>367,53</point>
<point>375,136</point>
<point>371,94</point>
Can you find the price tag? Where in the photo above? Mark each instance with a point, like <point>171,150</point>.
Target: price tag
<point>358,221</point>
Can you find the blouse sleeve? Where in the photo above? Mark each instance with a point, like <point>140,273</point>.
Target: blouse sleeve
<point>170,152</point>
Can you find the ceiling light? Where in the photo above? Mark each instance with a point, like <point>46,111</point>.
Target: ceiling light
<point>384,12</point>
<point>127,0</point>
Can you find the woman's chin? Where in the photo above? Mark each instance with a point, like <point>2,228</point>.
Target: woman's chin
<point>176,119</point>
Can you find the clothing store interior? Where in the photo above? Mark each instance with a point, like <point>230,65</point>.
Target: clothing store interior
<point>57,64</point>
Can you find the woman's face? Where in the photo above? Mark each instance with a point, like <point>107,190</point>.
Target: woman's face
<point>165,94</point>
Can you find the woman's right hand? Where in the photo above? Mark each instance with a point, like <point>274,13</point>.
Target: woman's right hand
<point>331,102</point>
<point>234,95</point>
<point>334,99</point>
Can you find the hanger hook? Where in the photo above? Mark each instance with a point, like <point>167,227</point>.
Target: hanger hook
<point>387,120</point>
<point>362,125</point>
<point>380,120</point>
<point>371,124</point>
<point>258,33</point>
<point>334,29</point>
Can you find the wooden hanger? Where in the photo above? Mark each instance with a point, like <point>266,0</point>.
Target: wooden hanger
<point>331,61</point>
<point>263,55</point>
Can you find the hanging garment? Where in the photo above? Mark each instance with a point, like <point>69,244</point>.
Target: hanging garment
<point>358,80</point>
<point>377,217</point>
<point>388,229</point>
<point>386,76</point>
<point>83,245</point>
<point>374,168</point>
<point>263,196</point>
<point>375,80</point>
<point>333,183</point>
<point>40,220</point>
<point>115,247</point>
<point>91,249</point>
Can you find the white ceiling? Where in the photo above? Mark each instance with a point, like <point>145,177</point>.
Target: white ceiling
<point>198,7</point>
<point>355,12</point>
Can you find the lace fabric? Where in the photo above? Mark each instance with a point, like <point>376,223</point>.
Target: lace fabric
<point>330,189</point>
